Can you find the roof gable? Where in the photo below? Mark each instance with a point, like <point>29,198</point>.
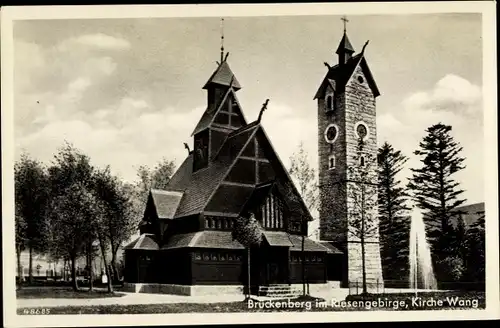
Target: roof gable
<point>207,119</point>
<point>341,74</point>
<point>223,76</point>
<point>165,202</point>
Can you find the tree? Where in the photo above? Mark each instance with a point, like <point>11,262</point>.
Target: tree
<point>362,195</point>
<point>148,178</point>
<point>301,171</point>
<point>71,179</point>
<point>31,198</point>
<point>435,191</point>
<point>248,232</point>
<point>394,220</point>
<point>20,242</point>
<point>73,217</point>
<point>118,220</point>
<point>475,260</point>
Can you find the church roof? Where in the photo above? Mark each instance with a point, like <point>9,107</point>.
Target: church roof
<point>165,202</point>
<point>223,76</point>
<point>203,239</point>
<point>345,45</point>
<point>144,241</point>
<point>199,186</point>
<point>209,114</point>
<point>338,75</point>
<point>469,213</point>
<point>282,238</point>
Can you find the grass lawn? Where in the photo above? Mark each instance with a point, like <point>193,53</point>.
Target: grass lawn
<point>63,292</point>
<point>308,304</point>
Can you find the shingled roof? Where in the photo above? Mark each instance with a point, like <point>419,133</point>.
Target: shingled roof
<point>470,213</point>
<point>203,239</point>
<point>223,76</point>
<point>197,187</point>
<point>145,242</point>
<point>165,202</point>
<point>338,75</point>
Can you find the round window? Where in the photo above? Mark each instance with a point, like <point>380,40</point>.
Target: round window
<point>361,130</point>
<point>331,133</point>
<point>360,79</point>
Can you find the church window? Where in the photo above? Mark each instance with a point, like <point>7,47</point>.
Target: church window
<point>360,79</point>
<point>331,162</point>
<point>329,103</point>
<point>362,161</point>
<point>331,133</point>
<point>361,130</point>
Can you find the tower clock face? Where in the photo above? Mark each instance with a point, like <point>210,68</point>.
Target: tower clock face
<point>331,133</point>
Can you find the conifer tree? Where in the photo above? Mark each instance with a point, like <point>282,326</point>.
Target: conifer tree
<point>394,220</point>
<point>435,191</point>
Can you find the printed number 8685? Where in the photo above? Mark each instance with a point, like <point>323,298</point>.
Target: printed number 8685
<point>36,311</point>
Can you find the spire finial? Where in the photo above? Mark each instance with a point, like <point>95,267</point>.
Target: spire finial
<point>221,40</point>
<point>344,18</point>
<point>264,107</point>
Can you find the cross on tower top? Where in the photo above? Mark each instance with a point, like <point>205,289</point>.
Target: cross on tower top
<point>345,22</point>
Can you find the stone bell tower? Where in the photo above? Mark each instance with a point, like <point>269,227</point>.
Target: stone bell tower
<point>347,149</point>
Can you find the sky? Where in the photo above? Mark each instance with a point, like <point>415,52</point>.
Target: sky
<point>128,92</point>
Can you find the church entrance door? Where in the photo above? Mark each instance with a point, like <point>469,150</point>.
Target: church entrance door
<point>275,265</point>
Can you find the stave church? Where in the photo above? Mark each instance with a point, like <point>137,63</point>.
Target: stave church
<point>187,243</point>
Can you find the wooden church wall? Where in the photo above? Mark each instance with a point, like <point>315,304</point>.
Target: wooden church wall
<point>315,267</point>
<point>217,266</point>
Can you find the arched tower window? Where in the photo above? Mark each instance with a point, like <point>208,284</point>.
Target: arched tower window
<point>331,162</point>
<point>362,161</point>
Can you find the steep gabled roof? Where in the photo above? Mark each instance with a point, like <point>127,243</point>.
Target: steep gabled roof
<point>345,45</point>
<point>144,241</point>
<point>341,74</point>
<point>223,76</point>
<point>199,186</point>
<point>165,202</point>
<point>208,116</point>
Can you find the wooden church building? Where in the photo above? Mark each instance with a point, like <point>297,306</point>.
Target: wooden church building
<point>187,243</point>
<point>187,240</point>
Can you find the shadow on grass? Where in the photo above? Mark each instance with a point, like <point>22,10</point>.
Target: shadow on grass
<point>62,292</point>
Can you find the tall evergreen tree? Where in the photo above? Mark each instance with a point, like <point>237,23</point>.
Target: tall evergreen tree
<point>437,193</point>
<point>394,220</point>
<point>475,260</point>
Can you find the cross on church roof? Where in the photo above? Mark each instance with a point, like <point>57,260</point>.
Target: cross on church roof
<point>345,22</point>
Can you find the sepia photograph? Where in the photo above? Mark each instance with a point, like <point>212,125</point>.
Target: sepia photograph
<point>291,161</point>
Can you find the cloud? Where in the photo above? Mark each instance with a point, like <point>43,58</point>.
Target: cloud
<point>452,93</point>
<point>98,40</point>
<point>453,101</point>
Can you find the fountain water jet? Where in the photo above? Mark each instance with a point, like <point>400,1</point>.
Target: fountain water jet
<point>421,269</point>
